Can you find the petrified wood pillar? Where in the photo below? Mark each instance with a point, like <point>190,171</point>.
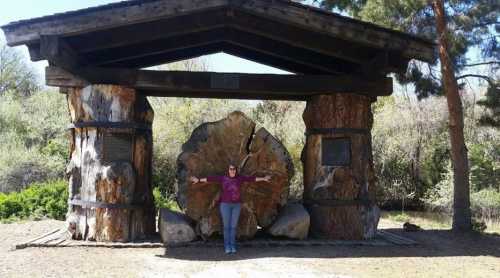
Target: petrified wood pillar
<point>110,197</point>
<point>339,182</point>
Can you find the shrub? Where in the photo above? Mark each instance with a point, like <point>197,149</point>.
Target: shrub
<point>164,202</point>
<point>47,199</point>
<point>486,204</point>
<point>20,167</point>
<point>478,225</point>
<point>484,166</point>
<point>33,148</point>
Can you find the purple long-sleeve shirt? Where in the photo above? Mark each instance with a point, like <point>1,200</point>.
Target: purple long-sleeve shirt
<point>231,187</point>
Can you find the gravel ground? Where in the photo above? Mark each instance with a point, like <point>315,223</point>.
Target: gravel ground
<point>441,254</point>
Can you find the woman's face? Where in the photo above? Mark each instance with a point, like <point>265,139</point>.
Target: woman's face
<point>232,171</point>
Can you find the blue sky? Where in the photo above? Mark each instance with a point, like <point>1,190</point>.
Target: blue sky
<point>14,10</point>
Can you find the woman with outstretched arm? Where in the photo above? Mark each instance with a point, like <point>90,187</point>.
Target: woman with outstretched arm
<point>230,202</point>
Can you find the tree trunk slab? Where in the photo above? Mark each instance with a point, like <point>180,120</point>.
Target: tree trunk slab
<point>210,150</point>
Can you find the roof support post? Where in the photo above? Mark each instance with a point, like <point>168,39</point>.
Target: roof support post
<point>339,181</point>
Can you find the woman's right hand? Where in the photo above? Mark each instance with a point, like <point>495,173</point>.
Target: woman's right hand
<point>194,179</point>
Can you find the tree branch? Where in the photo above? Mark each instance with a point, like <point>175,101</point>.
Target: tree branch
<point>484,77</point>
<point>481,64</point>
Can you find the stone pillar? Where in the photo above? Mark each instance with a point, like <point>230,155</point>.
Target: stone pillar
<point>110,196</point>
<point>339,181</point>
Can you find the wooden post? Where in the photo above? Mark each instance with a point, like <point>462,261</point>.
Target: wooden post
<point>110,196</point>
<point>339,182</point>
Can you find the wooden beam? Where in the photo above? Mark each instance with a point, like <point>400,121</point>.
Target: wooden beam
<point>247,41</point>
<point>103,17</point>
<point>342,27</point>
<point>222,95</point>
<point>299,37</point>
<point>145,49</point>
<point>146,32</point>
<point>273,61</point>
<point>226,85</point>
<point>326,64</point>
<point>167,57</point>
<point>58,52</point>
<point>210,48</point>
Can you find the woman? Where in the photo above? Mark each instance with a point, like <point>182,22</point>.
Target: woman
<point>230,202</point>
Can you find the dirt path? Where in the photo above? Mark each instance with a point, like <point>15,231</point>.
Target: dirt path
<point>441,254</point>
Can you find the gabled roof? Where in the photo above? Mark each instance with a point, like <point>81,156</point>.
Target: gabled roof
<point>279,33</point>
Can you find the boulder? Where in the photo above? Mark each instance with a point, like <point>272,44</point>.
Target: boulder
<point>293,222</point>
<point>175,227</point>
<point>209,151</point>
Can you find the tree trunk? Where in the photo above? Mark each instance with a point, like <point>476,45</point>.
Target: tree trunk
<point>461,195</point>
<point>110,196</point>
<point>339,181</point>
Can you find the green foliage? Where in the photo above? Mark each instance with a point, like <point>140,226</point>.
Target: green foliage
<point>411,151</point>
<point>16,77</point>
<point>478,225</point>
<point>399,217</point>
<point>435,164</point>
<point>47,199</point>
<point>408,141</point>
<point>484,166</point>
<point>440,197</point>
<point>491,103</point>
<point>486,203</point>
<point>32,139</point>
<point>161,201</point>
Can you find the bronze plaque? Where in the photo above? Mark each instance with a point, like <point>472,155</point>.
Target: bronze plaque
<point>335,152</point>
<point>117,147</point>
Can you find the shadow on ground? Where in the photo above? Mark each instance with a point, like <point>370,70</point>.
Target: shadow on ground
<point>432,243</point>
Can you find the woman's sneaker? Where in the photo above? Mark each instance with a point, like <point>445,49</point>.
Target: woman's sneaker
<point>233,249</point>
<point>227,250</point>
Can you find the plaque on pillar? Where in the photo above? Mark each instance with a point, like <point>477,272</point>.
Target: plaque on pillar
<point>335,152</point>
<point>117,147</point>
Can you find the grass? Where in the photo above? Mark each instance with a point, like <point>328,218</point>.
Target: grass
<point>434,221</point>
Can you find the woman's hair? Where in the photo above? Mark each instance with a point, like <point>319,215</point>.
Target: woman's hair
<point>234,165</point>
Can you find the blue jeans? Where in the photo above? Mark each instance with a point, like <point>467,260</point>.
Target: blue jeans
<point>230,214</point>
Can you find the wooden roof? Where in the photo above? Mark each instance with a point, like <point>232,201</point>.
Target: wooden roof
<point>279,33</point>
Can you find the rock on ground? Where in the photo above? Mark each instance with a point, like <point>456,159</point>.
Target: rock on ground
<point>175,227</point>
<point>293,222</point>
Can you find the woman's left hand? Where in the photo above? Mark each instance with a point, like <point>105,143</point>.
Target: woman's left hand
<point>267,178</point>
